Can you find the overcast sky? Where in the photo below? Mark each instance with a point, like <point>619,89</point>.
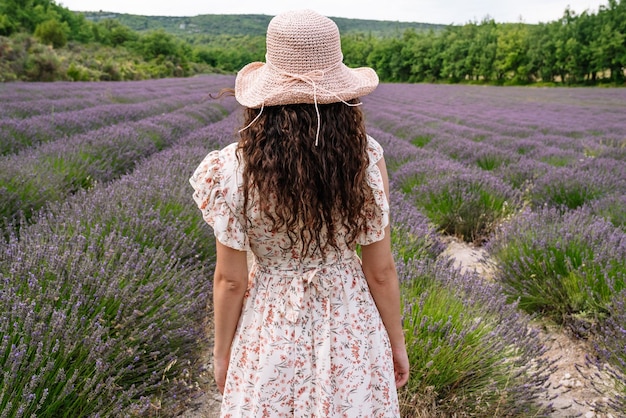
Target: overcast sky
<point>425,11</point>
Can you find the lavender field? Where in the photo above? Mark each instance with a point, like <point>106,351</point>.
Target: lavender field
<point>106,264</point>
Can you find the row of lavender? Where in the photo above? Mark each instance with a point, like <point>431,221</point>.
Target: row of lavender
<point>28,99</point>
<point>536,175</point>
<point>555,147</point>
<point>104,295</point>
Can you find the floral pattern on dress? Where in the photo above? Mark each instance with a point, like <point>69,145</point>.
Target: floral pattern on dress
<point>310,341</point>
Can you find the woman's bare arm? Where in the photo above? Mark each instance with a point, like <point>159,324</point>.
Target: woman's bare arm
<point>229,287</point>
<point>382,278</point>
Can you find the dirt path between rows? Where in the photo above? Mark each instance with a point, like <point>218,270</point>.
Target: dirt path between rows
<point>570,388</point>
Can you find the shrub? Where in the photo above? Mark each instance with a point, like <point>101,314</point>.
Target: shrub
<point>52,32</point>
<point>522,174</point>
<point>413,235</point>
<point>397,151</point>
<point>90,327</point>
<point>482,155</point>
<point>472,352</point>
<point>554,156</point>
<point>566,266</point>
<point>467,205</point>
<point>612,208</point>
<point>77,72</point>
<point>572,187</point>
<point>42,64</point>
<point>424,166</point>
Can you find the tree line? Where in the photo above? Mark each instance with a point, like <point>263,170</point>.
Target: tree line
<point>586,48</point>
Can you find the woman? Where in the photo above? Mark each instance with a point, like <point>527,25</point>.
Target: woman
<point>311,329</point>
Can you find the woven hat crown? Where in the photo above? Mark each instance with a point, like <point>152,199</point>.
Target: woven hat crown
<point>304,65</point>
<point>302,41</point>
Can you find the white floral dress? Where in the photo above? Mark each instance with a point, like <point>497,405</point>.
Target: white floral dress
<point>310,341</point>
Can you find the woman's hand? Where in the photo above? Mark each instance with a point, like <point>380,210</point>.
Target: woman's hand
<point>401,366</point>
<point>220,369</point>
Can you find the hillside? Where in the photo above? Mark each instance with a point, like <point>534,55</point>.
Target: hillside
<point>249,25</point>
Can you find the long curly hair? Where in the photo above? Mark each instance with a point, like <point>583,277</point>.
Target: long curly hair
<point>316,194</point>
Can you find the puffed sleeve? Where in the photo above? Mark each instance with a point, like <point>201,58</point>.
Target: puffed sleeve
<point>377,208</point>
<point>210,196</point>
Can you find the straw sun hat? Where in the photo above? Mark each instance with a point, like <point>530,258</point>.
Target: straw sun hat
<point>304,64</point>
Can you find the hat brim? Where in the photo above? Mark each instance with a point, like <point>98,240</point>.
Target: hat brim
<point>258,84</point>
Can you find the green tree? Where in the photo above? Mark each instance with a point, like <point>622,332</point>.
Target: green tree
<point>157,44</point>
<point>356,47</point>
<point>6,26</point>
<point>387,58</point>
<point>421,49</point>
<point>483,50</point>
<point>608,49</point>
<point>542,51</point>
<point>511,62</point>
<point>455,63</point>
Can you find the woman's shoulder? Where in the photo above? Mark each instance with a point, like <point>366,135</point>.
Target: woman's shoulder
<point>215,165</point>
<point>226,153</point>
<point>225,157</point>
<point>374,150</point>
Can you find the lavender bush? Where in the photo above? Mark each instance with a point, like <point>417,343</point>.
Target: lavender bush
<point>461,202</point>
<point>471,353</point>
<point>425,166</point>
<point>522,174</point>
<point>397,152</point>
<point>611,207</point>
<point>586,181</point>
<point>91,328</point>
<point>482,155</point>
<point>413,235</point>
<point>566,266</point>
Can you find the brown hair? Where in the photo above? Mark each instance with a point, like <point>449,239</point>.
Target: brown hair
<point>308,191</point>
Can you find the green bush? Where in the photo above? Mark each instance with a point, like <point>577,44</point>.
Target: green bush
<point>78,72</point>
<point>471,353</point>
<point>566,266</point>
<point>466,206</point>
<point>52,32</point>
<point>42,64</point>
